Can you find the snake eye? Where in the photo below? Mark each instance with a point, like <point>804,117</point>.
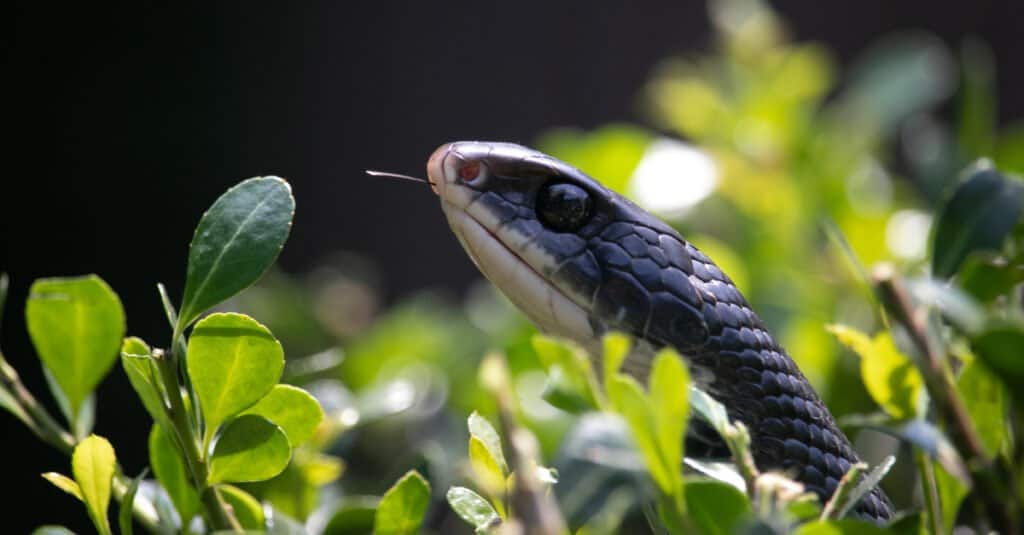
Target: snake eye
<point>563,207</point>
<point>469,171</point>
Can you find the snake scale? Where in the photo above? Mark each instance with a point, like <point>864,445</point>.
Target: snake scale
<point>580,260</point>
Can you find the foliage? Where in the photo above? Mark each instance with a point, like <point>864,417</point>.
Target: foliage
<point>456,417</point>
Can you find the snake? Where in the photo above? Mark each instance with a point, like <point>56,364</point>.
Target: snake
<point>580,260</point>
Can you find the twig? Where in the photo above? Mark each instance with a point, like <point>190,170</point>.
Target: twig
<point>929,487</point>
<point>939,382</point>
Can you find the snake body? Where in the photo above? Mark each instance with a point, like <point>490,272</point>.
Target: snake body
<point>580,260</point>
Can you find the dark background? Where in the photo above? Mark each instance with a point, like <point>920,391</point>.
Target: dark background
<point>125,122</point>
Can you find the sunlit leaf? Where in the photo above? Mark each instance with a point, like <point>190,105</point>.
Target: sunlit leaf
<point>237,239</point>
<point>93,464</point>
<point>293,410</point>
<point>233,362</point>
<point>170,471</point>
<point>890,377</point>
<point>979,216</point>
<point>402,507</point>
<point>64,483</point>
<point>354,516</point>
<point>250,448</point>
<point>246,508</point>
<point>984,398</point>
<point>76,325</point>
<point>841,527</point>
<point>472,508</point>
<point>616,347</point>
<point>481,429</point>
<point>669,393</point>
<point>489,473</point>
<point>139,366</point>
<point>52,530</point>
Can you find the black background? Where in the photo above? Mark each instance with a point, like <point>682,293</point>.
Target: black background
<point>123,122</point>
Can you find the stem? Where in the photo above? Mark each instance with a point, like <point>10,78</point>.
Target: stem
<point>993,489</point>
<point>930,488</point>
<point>217,512</point>
<point>46,428</point>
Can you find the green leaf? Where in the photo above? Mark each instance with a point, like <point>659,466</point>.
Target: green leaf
<point>247,509</point>
<point>93,464</point>
<point>669,386</point>
<point>841,527</point>
<point>472,508</point>
<point>354,516</point>
<point>11,405</point>
<point>481,428</point>
<point>987,275</point>
<point>952,492</point>
<point>237,239</point>
<point>76,325</point>
<point>170,471</point>
<point>139,366</point>
<point>985,401</point>
<point>628,400</point>
<point>293,409</point>
<point>124,516</point>
<point>490,475</point>
<point>82,420</point>
<point>570,361</point>
<point>64,483</point>
<point>52,530</point>
<point>402,507</point>
<point>233,362</point>
<point>998,347</point>
<point>980,215</point>
<point>615,349</point>
<point>889,376</point>
<point>250,448</point>
<point>865,485</point>
<point>715,507</point>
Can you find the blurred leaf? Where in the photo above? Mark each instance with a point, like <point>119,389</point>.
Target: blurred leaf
<point>236,240</point>
<point>1010,148</point>
<point>986,275</point>
<point>295,490</point>
<point>11,405</point>
<point>170,471</point>
<point>64,483</point>
<point>473,509</point>
<point>669,393</point>
<point>572,363</point>
<point>52,530</point>
<point>862,486</point>
<point>124,516</point>
<point>628,399</point>
<point>402,507</point>
<point>998,347</point>
<point>952,492</point>
<point>250,448</point>
<point>615,350</point>
<point>956,306</point>
<point>354,516</point>
<point>247,509</point>
<point>984,399</point>
<point>897,77</point>
<point>842,527</point>
<point>979,216</point>
<point>715,507</point>
<point>233,362</point>
<point>918,432</point>
<point>76,325</point>
<point>282,524</point>
<point>292,409</point>
<point>609,154</point>
<point>81,421</point>
<point>890,377</point>
<point>977,108</point>
<point>93,464</point>
<point>139,366</point>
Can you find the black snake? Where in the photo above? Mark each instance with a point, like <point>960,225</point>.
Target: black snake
<point>580,260</point>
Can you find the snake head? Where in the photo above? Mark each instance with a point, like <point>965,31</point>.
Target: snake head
<point>577,258</point>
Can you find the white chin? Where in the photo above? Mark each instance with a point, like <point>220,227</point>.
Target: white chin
<point>551,311</point>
